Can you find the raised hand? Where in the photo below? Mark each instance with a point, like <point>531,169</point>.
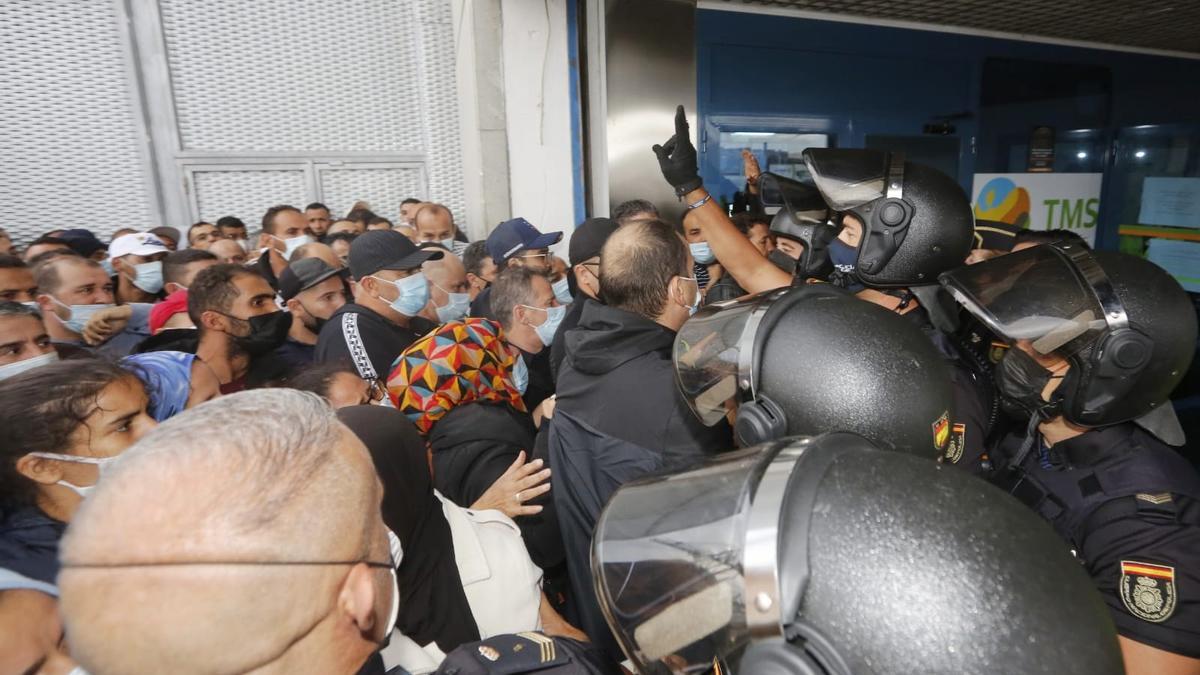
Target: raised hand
<point>677,158</point>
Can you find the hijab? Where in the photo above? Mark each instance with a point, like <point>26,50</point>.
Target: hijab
<point>460,362</point>
<point>433,606</point>
<point>168,380</point>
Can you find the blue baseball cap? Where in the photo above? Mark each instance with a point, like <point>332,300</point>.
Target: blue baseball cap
<point>516,235</point>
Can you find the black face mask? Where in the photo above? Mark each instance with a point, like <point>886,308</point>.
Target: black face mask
<point>267,332</point>
<point>783,261</point>
<point>1021,381</point>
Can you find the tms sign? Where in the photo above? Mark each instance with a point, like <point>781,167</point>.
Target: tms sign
<point>1040,201</point>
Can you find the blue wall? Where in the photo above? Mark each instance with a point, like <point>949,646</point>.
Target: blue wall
<point>853,80</point>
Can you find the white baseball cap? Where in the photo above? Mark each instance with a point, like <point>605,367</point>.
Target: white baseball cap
<point>138,243</point>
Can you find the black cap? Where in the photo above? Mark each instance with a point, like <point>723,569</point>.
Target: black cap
<point>589,238</point>
<point>386,250</point>
<point>303,275</point>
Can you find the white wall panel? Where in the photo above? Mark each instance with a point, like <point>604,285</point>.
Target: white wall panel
<point>71,141</point>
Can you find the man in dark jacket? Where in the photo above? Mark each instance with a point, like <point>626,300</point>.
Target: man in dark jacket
<point>584,255</point>
<point>382,321</point>
<point>515,243</point>
<point>619,414</point>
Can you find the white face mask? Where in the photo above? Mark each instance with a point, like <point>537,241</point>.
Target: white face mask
<point>692,308</point>
<point>81,490</point>
<point>397,555</point>
<point>292,243</point>
<point>10,369</point>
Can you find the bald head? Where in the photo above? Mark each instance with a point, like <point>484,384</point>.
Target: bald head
<point>291,486</point>
<point>447,272</point>
<point>228,251</point>
<point>637,265</point>
<point>434,222</point>
<point>320,251</point>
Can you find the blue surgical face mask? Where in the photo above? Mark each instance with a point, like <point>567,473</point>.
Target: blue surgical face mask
<point>562,291</point>
<point>11,369</point>
<point>456,307</point>
<point>108,268</point>
<point>520,375</point>
<point>547,329</point>
<point>80,314</point>
<point>81,490</point>
<point>414,294</point>
<point>448,244</point>
<point>149,276</point>
<point>702,253</point>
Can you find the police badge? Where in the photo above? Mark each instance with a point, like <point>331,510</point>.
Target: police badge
<point>1148,590</point>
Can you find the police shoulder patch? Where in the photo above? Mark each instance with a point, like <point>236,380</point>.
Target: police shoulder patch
<point>958,441</point>
<point>1148,590</point>
<point>941,431</point>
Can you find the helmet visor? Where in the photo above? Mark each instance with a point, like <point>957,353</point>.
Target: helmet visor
<point>712,354</point>
<point>848,178</point>
<point>802,200</point>
<point>1037,295</point>
<point>667,563</point>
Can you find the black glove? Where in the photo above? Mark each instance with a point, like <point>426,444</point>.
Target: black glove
<point>677,158</point>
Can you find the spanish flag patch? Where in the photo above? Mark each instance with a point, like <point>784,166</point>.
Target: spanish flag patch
<point>1148,590</point>
<point>941,431</point>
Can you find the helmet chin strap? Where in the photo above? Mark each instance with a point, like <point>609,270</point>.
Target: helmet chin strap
<point>1044,412</point>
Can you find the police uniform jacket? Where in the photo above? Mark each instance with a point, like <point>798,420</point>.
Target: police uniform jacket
<point>1129,508</point>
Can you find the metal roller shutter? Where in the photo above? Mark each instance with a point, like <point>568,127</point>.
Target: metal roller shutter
<point>72,151</point>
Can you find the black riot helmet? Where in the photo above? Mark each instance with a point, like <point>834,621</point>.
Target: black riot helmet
<point>917,221</point>
<point>803,216</point>
<point>1125,326</point>
<point>829,556</point>
<point>811,359</point>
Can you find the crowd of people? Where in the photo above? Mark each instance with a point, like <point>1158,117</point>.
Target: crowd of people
<point>343,444</point>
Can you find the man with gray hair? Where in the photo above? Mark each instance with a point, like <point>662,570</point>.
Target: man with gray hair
<point>523,301</point>
<point>264,549</point>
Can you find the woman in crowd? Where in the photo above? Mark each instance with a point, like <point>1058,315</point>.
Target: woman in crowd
<point>175,381</point>
<point>60,425</point>
<point>456,385</point>
<point>463,574</point>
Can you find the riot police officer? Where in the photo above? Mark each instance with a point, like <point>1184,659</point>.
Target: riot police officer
<point>829,556</point>
<point>1098,341</point>
<point>901,225</point>
<point>811,359</point>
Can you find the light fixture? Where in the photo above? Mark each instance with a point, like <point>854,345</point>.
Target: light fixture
<point>753,133</point>
<point>1081,154</point>
<point>1140,154</point>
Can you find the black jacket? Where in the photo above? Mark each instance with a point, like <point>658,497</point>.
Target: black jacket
<point>365,338</point>
<point>618,416</point>
<point>558,350</point>
<point>473,445</point>
<point>541,381</point>
<point>619,379</point>
<point>29,544</point>
<point>481,306</point>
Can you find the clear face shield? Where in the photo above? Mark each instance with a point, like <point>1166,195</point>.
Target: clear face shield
<point>713,354</point>
<point>685,566</point>
<point>1054,297</point>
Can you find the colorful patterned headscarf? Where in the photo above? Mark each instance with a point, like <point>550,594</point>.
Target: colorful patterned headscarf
<point>460,362</point>
<point>168,379</point>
